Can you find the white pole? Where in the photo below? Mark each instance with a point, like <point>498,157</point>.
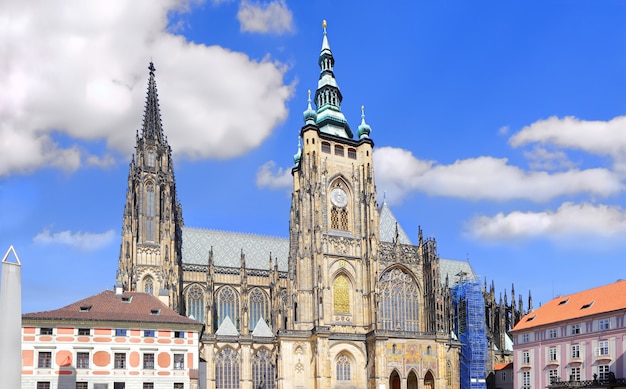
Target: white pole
<point>11,322</point>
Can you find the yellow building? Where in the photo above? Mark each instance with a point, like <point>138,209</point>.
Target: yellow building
<point>346,301</point>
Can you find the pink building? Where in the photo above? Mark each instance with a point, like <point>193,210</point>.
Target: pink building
<point>112,340</point>
<point>573,341</point>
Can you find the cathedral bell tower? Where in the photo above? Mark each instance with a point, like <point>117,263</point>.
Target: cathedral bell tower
<point>150,253</point>
<point>333,224</point>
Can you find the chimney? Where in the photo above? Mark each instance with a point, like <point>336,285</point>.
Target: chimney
<point>164,296</point>
<point>119,288</point>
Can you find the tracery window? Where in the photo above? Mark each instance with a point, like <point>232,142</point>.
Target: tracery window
<point>227,305</point>
<point>151,158</point>
<point>227,369</point>
<point>259,307</point>
<point>341,294</point>
<point>399,301</point>
<point>263,372</point>
<point>339,218</point>
<point>150,212</point>
<point>343,368</point>
<point>148,285</point>
<point>195,303</point>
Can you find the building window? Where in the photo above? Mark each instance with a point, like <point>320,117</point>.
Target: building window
<point>449,373</point>
<point>179,334</point>
<point>82,360</point>
<point>150,213</point>
<point>552,333</point>
<point>45,331</point>
<point>82,385</point>
<point>603,347</point>
<point>575,351</point>
<point>339,150</point>
<point>263,372</point>
<point>525,338</point>
<point>526,357</point>
<point>574,374</point>
<point>148,385</point>
<point>148,285</point>
<point>575,329</point>
<point>148,361</point>
<point>227,305</point>
<point>553,375</point>
<point>552,354</point>
<point>84,331</point>
<point>603,372</point>
<point>227,369</point>
<point>526,380</point>
<point>120,332</point>
<point>352,153</point>
<point>604,324</point>
<point>120,361</point>
<point>151,158</point>
<point>148,333</point>
<point>341,294</point>
<point>179,385</point>
<point>179,361</point>
<point>399,303</point>
<point>343,368</point>
<point>503,375</point>
<point>259,307</point>
<point>325,147</point>
<point>43,385</point>
<point>45,359</point>
<point>195,303</point>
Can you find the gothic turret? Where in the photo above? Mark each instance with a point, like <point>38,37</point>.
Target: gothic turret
<point>150,254</point>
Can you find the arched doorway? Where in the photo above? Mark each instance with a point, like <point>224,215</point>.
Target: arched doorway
<point>394,380</point>
<point>411,381</point>
<point>429,381</point>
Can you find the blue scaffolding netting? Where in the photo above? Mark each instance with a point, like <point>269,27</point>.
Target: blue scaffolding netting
<point>470,328</point>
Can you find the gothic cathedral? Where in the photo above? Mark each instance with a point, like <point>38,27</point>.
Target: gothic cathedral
<point>346,301</point>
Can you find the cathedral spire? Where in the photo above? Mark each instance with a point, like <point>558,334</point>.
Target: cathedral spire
<point>328,97</point>
<point>152,128</point>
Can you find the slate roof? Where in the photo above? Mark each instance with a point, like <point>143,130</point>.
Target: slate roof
<point>603,299</point>
<point>134,307</point>
<point>452,267</point>
<point>227,328</point>
<point>228,246</point>
<point>387,225</point>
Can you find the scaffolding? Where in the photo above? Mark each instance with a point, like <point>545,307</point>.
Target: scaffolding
<point>469,325</point>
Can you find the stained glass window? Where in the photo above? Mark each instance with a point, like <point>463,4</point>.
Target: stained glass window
<point>227,305</point>
<point>343,368</point>
<point>341,294</point>
<point>263,372</point>
<point>399,301</point>
<point>148,285</point>
<point>195,303</point>
<point>259,307</point>
<point>227,369</point>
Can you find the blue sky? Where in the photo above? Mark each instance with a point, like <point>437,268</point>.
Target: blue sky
<point>499,127</point>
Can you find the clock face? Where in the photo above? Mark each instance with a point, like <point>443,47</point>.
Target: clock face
<point>338,197</point>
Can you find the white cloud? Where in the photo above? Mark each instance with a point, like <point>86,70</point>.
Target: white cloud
<point>483,178</point>
<point>281,179</point>
<point>541,158</point>
<point>86,241</point>
<point>569,219</point>
<point>596,137</point>
<point>104,161</point>
<point>79,68</point>
<point>273,17</point>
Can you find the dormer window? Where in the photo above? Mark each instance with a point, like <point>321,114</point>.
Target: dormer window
<point>85,308</point>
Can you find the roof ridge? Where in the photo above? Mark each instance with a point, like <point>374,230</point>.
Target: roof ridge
<point>237,232</point>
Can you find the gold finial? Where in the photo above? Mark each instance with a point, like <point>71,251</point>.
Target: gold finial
<point>324,24</point>
<point>309,93</point>
<point>362,109</point>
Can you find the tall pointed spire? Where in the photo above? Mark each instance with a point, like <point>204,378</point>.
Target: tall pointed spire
<point>328,97</point>
<point>152,128</point>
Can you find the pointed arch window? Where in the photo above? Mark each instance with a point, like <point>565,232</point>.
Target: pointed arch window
<point>150,212</point>
<point>227,305</point>
<point>259,307</point>
<point>449,374</point>
<point>339,218</point>
<point>341,294</point>
<point>148,285</point>
<point>227,369</point>
<point>399,301</point>
<point>195,303</point>
<point>263,372</point>
<point>343,368</point>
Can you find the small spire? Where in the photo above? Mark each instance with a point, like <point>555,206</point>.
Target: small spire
<point>364,129</point>
<point>310,115</point>
<point>298,155</point>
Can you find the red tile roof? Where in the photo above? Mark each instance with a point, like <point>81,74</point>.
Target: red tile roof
<point>502,366</point>
<point>109,306</point>
<point>607,298</point>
